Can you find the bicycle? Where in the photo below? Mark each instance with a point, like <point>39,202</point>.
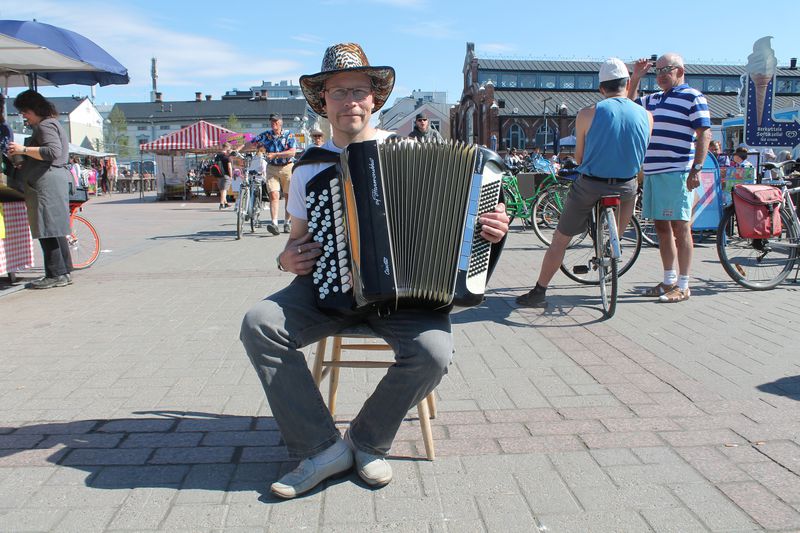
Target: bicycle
<point>516,204</point>
<point>83,240</point>
<point>598,262</point>
<point>245,211</point>
<point>761,264</point>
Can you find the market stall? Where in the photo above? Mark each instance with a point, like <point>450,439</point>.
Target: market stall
<point>171,151</point>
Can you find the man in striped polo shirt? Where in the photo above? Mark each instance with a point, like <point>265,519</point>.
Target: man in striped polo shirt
<point>672,164</point>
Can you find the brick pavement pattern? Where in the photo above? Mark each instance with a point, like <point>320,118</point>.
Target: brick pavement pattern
<point>127,402</point>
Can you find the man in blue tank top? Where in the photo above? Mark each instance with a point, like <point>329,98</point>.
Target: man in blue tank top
<point>611,140</point>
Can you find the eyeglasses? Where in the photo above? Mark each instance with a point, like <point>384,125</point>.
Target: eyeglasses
<point>667,69</point>
<point>422,120</point>
<point>340,93</point>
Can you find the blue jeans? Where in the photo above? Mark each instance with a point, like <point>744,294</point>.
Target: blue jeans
<point>276,329</point>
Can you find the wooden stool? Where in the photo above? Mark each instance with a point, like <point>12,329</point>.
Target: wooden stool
<point>426,409</point>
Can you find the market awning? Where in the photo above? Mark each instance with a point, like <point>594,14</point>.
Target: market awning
<point>199,137</point>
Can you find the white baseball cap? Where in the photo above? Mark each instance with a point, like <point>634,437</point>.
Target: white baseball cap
<point>613,69</point>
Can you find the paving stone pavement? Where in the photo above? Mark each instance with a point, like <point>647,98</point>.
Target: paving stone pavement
<point>127,402</point>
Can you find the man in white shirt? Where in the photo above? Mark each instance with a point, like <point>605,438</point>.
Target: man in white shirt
<point>347,91</point>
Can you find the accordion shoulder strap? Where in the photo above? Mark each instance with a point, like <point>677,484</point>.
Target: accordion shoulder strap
<point>317,155</point>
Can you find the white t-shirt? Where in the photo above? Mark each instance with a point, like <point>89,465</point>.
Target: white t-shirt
<point>300,177</point>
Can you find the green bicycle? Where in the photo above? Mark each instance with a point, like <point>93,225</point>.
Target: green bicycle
<point>517,205</point>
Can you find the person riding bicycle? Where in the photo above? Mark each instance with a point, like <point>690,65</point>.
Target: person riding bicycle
<point>611,139</point>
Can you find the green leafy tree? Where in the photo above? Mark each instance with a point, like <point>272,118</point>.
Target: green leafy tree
<point>233,123</point>
<point>117,134</point>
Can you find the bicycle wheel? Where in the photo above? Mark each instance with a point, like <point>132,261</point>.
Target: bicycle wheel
<point>255,216</point>
<point>240,212</point>
<point>547,211</point>
<point>757,264</point>
<point>580,254</point>
<point>84,243</point>
<point>648,226</point>
<point>607,274</point>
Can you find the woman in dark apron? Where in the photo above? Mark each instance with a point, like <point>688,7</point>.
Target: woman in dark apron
<point>46,178</point>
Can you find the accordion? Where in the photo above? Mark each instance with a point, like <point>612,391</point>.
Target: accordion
<point>399,225</point>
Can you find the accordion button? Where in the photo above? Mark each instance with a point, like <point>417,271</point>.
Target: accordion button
<point>336,289</point>
<point>345,287</point>
<point>334,188</point>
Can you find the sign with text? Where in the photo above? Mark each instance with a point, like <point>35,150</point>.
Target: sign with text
<point>760,126</point>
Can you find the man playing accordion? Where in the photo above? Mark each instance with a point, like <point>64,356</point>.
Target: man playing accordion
<point>347,91</point>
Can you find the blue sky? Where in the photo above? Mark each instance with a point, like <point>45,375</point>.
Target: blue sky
<point>214,46</point>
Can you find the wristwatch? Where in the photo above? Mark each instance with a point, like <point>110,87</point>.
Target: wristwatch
<point>280,266</point>
<point>697,166</point>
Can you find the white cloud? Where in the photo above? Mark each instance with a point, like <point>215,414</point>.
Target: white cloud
<point>184,59</point>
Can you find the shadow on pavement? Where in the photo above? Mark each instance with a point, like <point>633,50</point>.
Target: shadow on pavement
<point>788,387</point>
<point>200,236</point>
<point>170,449</point>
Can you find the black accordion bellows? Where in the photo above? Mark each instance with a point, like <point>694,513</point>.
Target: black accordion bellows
<point>399,224</point>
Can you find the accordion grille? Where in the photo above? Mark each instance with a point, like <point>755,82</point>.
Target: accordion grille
<point>426,187</point>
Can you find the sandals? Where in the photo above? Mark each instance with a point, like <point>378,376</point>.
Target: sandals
<point>675,295</point>
<point>659,290</point>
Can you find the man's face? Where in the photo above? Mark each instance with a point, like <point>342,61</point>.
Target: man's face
<point>423,124</point>
<point>349,102</point>
<point>667,74</point>
<point>317,140</point>
<point>714,148</point>
<point>276,125</point>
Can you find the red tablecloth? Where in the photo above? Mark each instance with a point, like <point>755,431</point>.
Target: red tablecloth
<point>16,250</point>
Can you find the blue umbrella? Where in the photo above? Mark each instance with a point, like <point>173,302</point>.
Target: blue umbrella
<point>98,65</point>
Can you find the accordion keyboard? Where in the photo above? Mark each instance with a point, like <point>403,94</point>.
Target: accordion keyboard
<point>331,273</point>
<point>479,258</point>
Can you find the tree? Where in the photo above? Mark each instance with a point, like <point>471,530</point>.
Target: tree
<point>117,133</point>
<point>233,123</point>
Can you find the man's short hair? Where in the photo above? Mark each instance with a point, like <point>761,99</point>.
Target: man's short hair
<point>613,86</point>
<point>275,116</point>
<point>741,152</point>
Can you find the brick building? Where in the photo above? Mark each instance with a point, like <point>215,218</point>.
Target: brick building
<point>522,103</point>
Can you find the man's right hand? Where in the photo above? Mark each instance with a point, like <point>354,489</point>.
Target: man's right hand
<point>641,66</point>
<point>300,255</point>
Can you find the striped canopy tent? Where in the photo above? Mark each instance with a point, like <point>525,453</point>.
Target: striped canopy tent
<point>199,137</point>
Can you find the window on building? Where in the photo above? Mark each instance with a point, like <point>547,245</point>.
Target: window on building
<point>732,84</point>
<point>486,75</point>
<point>796,86</point>
<point>527,81</point>
<point>164,127</point>
<point>141,128</point>
<point>142,139</point>
<point>545,135</point>
<point>585,82</point>
<point>695,82</point>
<point>516,137</point>
<point>508,80</point>
<point>783,86</point>
<point>435,125</point>
<point>713,85</point>
<point>547,81</point>
<point>566,82</point>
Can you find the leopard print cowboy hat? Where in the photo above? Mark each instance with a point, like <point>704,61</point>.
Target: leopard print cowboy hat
<point>346,57</point>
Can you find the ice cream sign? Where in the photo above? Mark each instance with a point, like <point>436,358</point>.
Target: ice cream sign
<point>760,128</point>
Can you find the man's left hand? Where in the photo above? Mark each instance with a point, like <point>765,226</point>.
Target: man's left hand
<point>693,180</point>
<point>494,226</point>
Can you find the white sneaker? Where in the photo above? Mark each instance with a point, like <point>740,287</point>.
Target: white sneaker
<point>373,469</point>
<point>335,459</point>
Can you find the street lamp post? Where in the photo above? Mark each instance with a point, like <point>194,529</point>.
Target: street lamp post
<point>544,113</point>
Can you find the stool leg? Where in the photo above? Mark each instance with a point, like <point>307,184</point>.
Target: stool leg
<point>432,404</point>
<point>319,357</point>
<point>425,425</point>
<point>336,356</point>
